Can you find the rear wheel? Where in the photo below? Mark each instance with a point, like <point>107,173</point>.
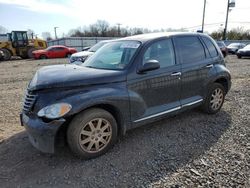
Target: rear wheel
<point>30,55</point>
<point>215,99</point>
<point>7,54</point>
<point>92,133</point>
<point>239,56</point>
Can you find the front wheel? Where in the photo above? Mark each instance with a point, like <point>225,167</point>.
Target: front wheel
<point>68,55</point>
<point>7,54</point>
<point>215,99</point>
<point>92,133</point>
<point>43,57</point>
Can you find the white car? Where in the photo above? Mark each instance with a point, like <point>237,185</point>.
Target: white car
<point>79,57</point>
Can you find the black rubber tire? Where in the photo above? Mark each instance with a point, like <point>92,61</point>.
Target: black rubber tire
<point>68,55</point>
<point>43,57</point>
<point>29,53</point>
<point>239,56</point>
<point>207,105</point>
<point>7,54</point>
<point>78,123</point>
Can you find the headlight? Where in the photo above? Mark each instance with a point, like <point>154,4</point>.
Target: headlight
<point>55,110</point>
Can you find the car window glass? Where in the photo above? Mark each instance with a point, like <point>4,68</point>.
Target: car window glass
<point>19,36</point>
<point>114,55</point>
<point>97,46</point>
<point>162,51</point>
<point>211,48</point>
<point>58,49</point>
<point>190,49</point>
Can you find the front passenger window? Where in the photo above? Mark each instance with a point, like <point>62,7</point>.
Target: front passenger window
<point>162,51</point>
<point>190,49</point>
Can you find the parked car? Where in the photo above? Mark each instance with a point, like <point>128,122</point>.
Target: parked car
<point>79,57</point>
<point>58,51</point>
<point>234,47</point>
<point>127,83</point>
<point>1,55</point>
<point>222,47</point>
<point>86,48</point>
<point>244,52</point>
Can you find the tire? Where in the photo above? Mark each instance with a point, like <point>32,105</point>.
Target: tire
<point>92,133</point>
<point>43,57</point>
<point>7,54</point>
<point>215,99</point>
<point>68,55</point>
<point>239,56</point>
<point>29,53</point>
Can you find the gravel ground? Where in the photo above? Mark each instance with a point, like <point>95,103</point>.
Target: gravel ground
<point>190,150</point>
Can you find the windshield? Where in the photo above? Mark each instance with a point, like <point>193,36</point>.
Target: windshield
<point>49,48</point>
<point>247,47</point>
<point>97,46</point>
<point>114,55</point>
<point>234,45</point>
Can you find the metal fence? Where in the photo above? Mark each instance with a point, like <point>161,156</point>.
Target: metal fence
<point>78,42</point>
<point>227,42</point>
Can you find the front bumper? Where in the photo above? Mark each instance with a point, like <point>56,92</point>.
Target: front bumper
<point>41,135</point>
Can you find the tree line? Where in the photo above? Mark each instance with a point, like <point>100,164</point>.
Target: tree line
<point>234,34</point>
<point>102,28</point>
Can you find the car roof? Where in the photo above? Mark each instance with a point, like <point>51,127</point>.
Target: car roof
<point>150,36</point>
<point>56,46</point>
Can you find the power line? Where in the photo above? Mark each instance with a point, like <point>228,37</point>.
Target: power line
<point>218,23</point>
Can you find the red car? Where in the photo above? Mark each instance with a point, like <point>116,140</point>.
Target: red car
<point>54,52</point>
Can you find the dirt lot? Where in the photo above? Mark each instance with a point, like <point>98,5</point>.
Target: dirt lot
<point>190,150</point>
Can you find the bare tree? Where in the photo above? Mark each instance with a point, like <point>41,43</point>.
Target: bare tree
<point>93,30</point>
<point>102,27</point>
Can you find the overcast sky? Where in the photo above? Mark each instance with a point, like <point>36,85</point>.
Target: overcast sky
<point>44,15</point>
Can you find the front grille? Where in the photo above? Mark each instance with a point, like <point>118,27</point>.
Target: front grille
<point>29,101</point>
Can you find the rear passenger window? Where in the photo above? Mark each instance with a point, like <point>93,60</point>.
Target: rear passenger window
<point>190,49</point>
<point>162,51</point>
<point>211,48</point>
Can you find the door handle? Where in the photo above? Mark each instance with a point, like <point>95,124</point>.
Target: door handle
<point>209,65</point>
<point>176,74</point>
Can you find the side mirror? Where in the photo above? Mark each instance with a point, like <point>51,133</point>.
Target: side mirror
<point>149,66</point>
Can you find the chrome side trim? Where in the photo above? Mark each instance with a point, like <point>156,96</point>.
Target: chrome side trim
<point>168,111</point>
<point>192,103</point>
<point>158,114</point>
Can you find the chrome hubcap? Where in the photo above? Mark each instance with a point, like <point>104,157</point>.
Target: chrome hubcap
<point>216,99</point>
<point>95,135</point>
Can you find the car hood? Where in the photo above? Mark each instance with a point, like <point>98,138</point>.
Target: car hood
<point>68,75</point>
<point>82,54</point>
<point>39,51</point>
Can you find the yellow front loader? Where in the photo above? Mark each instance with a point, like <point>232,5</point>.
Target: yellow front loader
<point>18,44</point>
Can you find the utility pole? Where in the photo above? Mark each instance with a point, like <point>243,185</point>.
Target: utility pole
<point>230,3</point>
<point>203,18</point>
<point>225,29</point>
<point>119,30</point>
<point>55,32</point>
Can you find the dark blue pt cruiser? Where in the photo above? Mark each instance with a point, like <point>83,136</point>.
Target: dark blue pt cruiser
<point>127,83</point>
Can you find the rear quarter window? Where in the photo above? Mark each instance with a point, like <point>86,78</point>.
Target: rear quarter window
<point>210,46</point>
